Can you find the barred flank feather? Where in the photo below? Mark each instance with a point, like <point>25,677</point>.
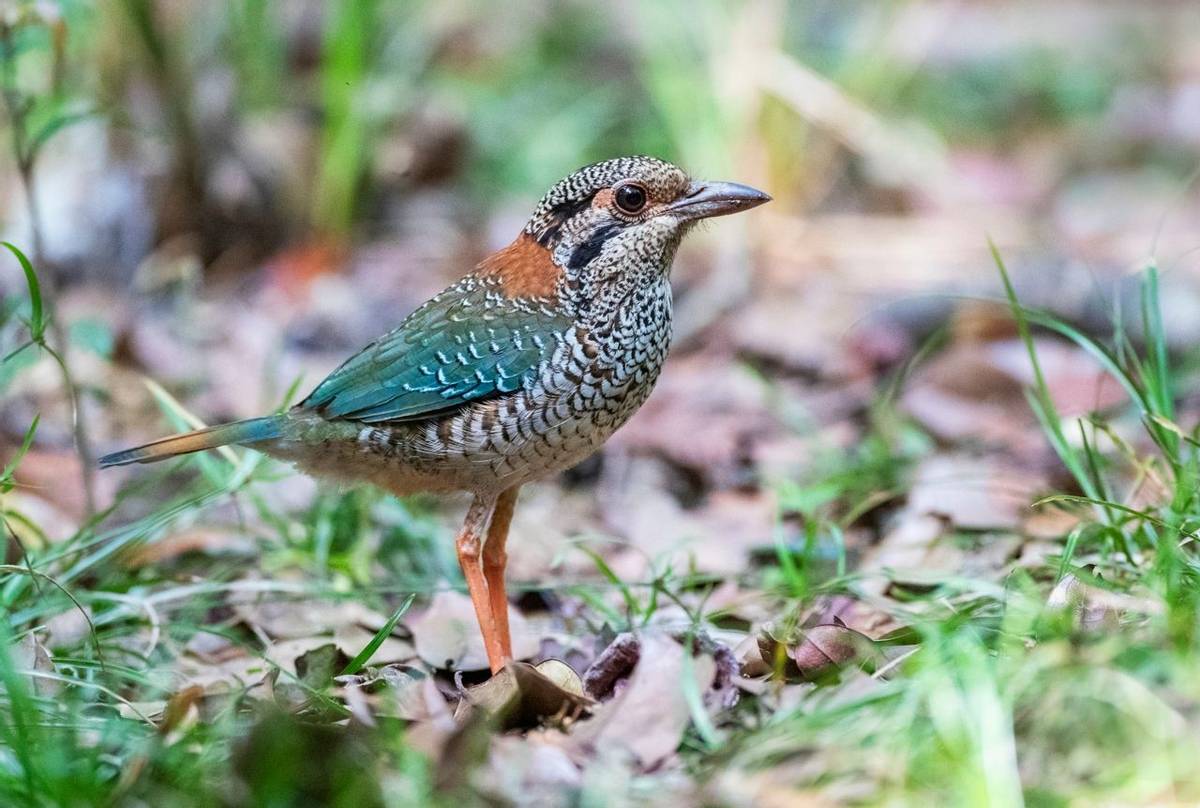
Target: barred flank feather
<point>241,432</point>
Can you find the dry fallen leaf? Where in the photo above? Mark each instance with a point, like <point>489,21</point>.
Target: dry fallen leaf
<point>199,539</point>
<point>30,657</point>
<point>817,653</point>
<point>715,536</point>
<point>288,619</point>
<point>68,628</point>
<point>56,477</point>
<point>315,669</point>
<point>231,675</point>
<point>824,649</point>
<point>181,711</point>
<point>522,696</point>
<point>614,665</point>
<point>865,618</point>
<point>531,769</point>
<point>974,390</point>
<point>1093,608</point>
<point>709,396</point>
<point>647,719</point>
<point>412,696</point>
<point>907,550</point>
<point>446,634</point>
<point>974,493</point>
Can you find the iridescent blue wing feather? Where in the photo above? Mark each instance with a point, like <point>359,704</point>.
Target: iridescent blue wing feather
<point>468,343</point>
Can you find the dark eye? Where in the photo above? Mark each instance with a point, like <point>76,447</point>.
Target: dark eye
<point>631,198</point>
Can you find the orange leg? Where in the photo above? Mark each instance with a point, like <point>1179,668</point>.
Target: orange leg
<point>468,546</point>
<point>495,558</point>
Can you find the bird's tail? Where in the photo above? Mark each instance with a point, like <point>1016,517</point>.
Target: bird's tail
<point>251,431</point>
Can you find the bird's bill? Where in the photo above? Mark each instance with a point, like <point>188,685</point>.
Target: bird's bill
<point>704,200</point>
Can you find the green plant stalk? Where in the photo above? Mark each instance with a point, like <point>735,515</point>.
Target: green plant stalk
<point>347,131</point>
<point>25,152</point>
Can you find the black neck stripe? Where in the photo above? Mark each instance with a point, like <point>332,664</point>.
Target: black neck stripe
<point>583,254</point>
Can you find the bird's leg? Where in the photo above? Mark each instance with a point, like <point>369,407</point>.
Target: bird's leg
<point>468,545</point>
<point>495,558</point>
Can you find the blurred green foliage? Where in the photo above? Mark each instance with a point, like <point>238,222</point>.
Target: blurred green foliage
<point>545,86</point>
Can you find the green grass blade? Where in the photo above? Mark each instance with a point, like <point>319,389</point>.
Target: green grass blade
<point>627,595</point>
<point>6,477</point>
<point>356,664</point>
<point>1040,398</point>
<point>37,311</point>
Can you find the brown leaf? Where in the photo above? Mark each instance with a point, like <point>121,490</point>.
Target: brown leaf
<point>56,477</point>
<point>907,551</point>
<point>206,540</point>
<point>817,653</point>
<point>315,670</point>
<point>522,696</point>
<point>1093,608</point>
<point>233,673</point>
<point>447,634</point>
<point>530,769</point>
<point>40,521</point>
<point>853,613</point>
<point>181,710</point>
<point>648,718</point>
<point>413,697</point>
<point>825,649</point>
<point>975,389</point>
<point>767,329</point>
<point>68,628</point>
<point>284,619</point>
<point>30,657</point>
<point>716,536</point>
<point>614,665</point>
<point>976,493</point>
<point>709,396</point>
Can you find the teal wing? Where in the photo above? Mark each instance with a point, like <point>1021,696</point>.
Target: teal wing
<point>466,344</point>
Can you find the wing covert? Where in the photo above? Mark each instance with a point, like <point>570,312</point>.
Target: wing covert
<point>467,343</point>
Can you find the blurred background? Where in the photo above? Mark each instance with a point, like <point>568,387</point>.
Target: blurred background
<point>227,199</point>
<point>232,197</point>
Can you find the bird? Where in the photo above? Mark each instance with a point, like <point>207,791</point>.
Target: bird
<point>521,369</point>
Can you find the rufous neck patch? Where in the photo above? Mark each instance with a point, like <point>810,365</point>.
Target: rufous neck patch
<point>524,268</point>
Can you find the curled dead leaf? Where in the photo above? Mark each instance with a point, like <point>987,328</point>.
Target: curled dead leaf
<point>182,710</point>
<point>818,653</point>
<point>612,668</point>
<point>610,672</point>
<point>825,649</point>
<point>522,696</point>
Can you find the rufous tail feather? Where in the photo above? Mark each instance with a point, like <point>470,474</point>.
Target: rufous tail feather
<point>251,431</point>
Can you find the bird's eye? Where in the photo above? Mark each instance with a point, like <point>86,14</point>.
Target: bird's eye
<point>630,198</point>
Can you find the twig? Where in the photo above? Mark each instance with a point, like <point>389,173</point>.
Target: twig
<point>25,151</point>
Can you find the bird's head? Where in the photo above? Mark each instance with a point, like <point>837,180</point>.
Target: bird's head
<point>612,221</point>
<point>629,203</point>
